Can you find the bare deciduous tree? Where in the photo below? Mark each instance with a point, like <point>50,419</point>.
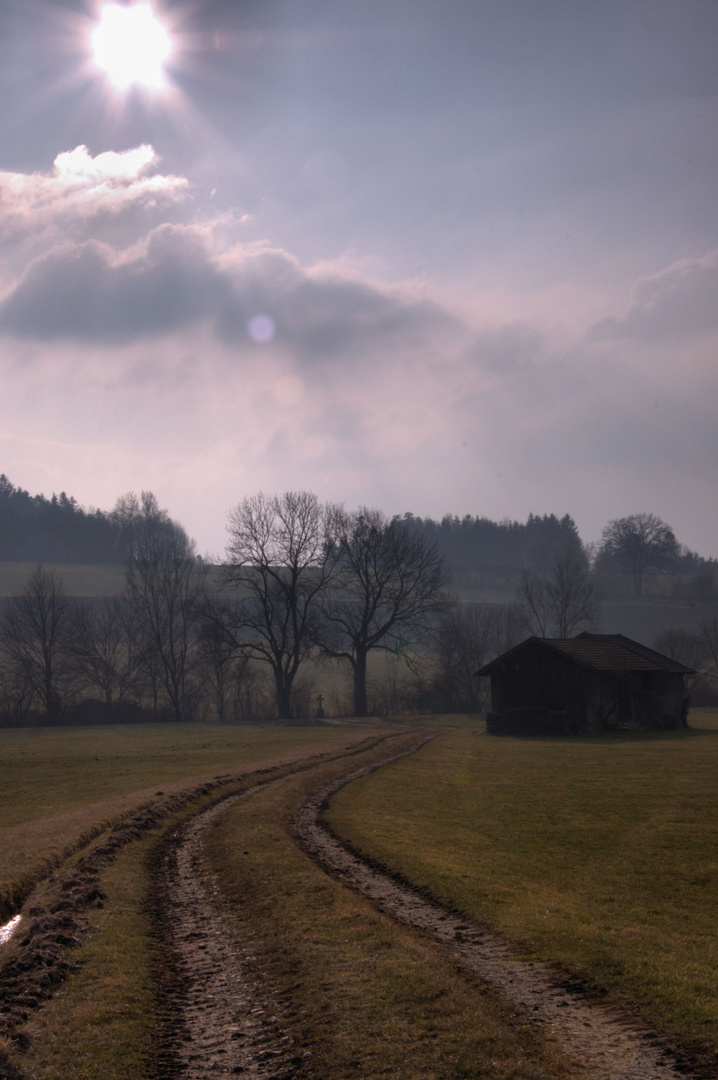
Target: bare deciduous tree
<point>281,555</point>
<point>388,591</point>
<point>106,647</point>
<point>687,647</point>
<point>16,695</point>
<point>35,633</point>
<point>164,586</point>
<point>708,634</point>
<point>469,636</point>
<point>142,523</point>
<point>562,599</point>
<point>637,543</point>
<point>227,672</point>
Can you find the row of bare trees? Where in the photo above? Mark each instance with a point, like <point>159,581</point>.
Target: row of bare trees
<point>302,580</point>
<point>312,579</point>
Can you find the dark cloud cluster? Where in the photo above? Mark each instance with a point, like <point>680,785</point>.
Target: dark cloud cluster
<point>90,292</point>
<point>85,293</point>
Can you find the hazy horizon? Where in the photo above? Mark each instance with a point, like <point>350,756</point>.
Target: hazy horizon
<point>451,258</point>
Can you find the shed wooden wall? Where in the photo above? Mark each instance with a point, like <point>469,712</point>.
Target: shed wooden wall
<point>536,691</point>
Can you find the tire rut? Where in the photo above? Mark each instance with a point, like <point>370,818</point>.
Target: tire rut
<point>220,1017</point>
<point>50,931</point>
<point>605,1043</point>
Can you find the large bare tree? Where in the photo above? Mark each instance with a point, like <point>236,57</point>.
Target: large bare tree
<point>388,591</point>
<point>164,586</point>
<point>280,557</point>
<point>637,543</point>
<point>35,634</point>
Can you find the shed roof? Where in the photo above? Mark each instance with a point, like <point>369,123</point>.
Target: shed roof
<point>602,652</point>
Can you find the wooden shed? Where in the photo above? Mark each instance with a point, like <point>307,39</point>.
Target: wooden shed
<point>589,683</point>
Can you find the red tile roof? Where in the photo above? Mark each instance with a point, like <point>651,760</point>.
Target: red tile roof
<point>605,652</point>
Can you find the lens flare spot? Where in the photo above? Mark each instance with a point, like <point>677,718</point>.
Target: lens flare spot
<point>261,329</point>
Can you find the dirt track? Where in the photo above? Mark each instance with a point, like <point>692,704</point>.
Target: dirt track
<point>220,1016</point>
<point>220,1020</point>
<point>225,1023</point>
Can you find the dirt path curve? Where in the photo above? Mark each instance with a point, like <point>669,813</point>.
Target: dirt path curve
<point>221,1019</point>
<point>605,1044</point>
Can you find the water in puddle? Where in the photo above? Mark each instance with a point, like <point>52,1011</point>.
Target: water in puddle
<point>7,931</point>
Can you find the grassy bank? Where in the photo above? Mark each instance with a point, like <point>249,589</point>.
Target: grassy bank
<point>57,784</point>
<point>598,854</point>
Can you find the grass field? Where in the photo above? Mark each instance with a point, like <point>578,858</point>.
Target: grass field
<point>56,784</point>
<point>374,1000</point>
<point>79,579</point>
<point>600,854</point>
<point>366,996</point>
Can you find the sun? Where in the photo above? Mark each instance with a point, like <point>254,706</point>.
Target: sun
<point>131,45</point>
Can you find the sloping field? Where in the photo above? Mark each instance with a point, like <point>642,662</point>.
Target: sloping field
<point>79,579</point>
<point>599,854</point>
<point>59,784</point>
<point>596,854</point>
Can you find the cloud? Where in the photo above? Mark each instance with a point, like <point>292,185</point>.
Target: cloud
<point>90,292</point>
<point>80,188</point>
<point>232,366</point>
<point>323,315</point>
<point>74,278</point>
<point>679,302</point>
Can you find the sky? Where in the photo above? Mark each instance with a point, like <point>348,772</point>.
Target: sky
<point>430,256</point>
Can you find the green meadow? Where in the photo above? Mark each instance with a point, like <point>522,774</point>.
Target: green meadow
<point>59,784</point>
<point>599,854</point>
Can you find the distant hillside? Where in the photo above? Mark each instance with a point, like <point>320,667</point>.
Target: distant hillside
<point>35,529</point>
<point>475,544</point>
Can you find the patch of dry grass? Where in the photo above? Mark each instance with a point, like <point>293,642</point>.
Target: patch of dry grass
<point>101,1023</point>
<point>600,854</point>
<point>79,579</point>
<point>57,784</point>
<point>367,997</point>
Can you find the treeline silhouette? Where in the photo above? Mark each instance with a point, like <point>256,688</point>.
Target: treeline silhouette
<point>469,544</point>
<point>305,581</point>
<point>36,529</point>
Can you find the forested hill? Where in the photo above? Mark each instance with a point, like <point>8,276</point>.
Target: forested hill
<point>34,528</point>
<point>470,544</point>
